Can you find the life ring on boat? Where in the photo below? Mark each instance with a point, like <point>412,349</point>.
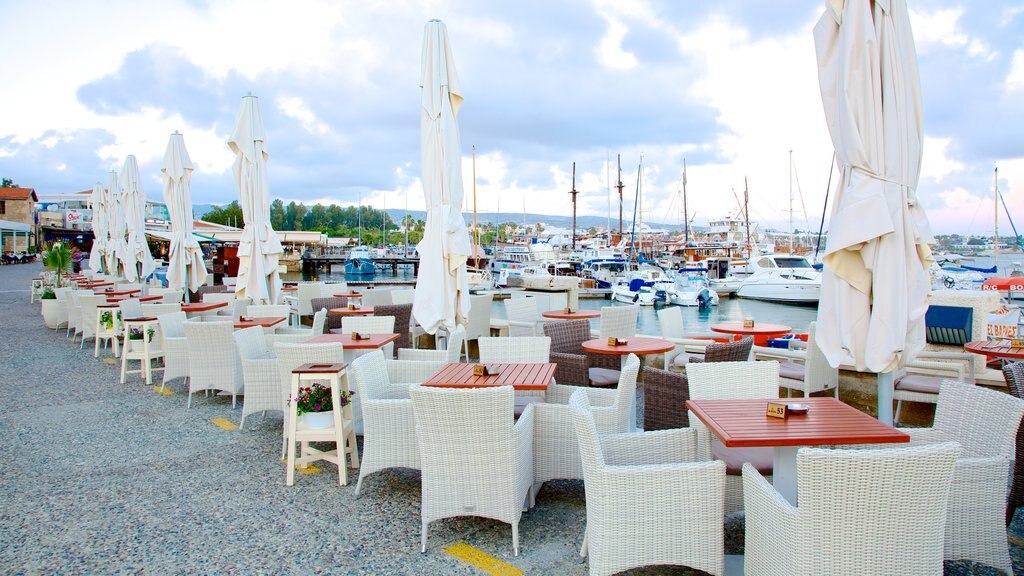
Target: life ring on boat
<point>551,282</point>
<point>949,282</point>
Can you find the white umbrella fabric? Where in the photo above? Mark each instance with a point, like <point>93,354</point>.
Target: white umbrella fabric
<point>875,284</point>
<point>185,268</point>
<point>99,228</point>
<point>136,258</point>
<point>115,220</point>
<point>259,248</point>
<point>442,286</point>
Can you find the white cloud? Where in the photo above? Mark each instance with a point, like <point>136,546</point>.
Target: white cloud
<point>1015,79</point>
<point>935,163</point>
<point>295,107</point>
<point>943,28</point>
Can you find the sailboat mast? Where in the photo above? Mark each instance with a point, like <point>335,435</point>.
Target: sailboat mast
<point>746,214</point>
<point>619,186</point>
<point>476,230</point>
<point>791,201</point>
<point>995,241</point>
<point>574,192</point>
<point>359,221</point>
<point>686,214</point>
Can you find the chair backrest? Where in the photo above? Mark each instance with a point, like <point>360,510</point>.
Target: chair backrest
<point>517,349</point>
<point>899,492</point>
<point>291,356</point>
<point>1014,375</point>
<point>376,297</point>
<point>735,351</point>
<point>130,308</point>
<point>521,310</point>
<point>665,396</point>
<point>368,324</point>
<point>402,314</point>
<point>154,310</point>
<point>625,393</point>
<point>252,343</point>
<point>370,378</point>
<point>239,307</point>
<point>983,421</point>
<point>213,358</point>
<point>567,336</point>
<point>63,293</point>
<point>456,340</point>
<point>403,296</point>
<point>319,320</point>
<point>172,325</point>
<point>305,293</point>
<point>479,321</point>
<point>173,296</point>
<point>818,374</point>
<point>128,286</point>
<point>219,297</point>
<point>329,290</point>
<point>267,310</point>
<point>333,320</point>
<point>90,311</point>
<point>210,289</point>
<point>733,380</point>
<point>670,320</point>
<point>618,321</point>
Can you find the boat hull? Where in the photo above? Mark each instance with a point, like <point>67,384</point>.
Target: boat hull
<point>786,292</point>
<point>360,267</point>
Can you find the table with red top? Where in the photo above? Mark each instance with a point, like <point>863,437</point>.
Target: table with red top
<point>197,307</point>
<point>121,297</point>
<point>371,342</point>
<point>639,345</point>
<point>125,292</point>
<point>761,332</point>
<point>357,311</point>
<point>828,422</point>
<point>519,376</point>
<point>262,321</point>
<point>995,349</point>
<point>574,315</point>
<point>289,288</point>
<point>354,297</point>
<point>92,284</point>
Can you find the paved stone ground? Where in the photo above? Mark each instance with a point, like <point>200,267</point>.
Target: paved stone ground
<point>98,478</point>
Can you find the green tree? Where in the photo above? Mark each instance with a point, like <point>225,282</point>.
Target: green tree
<point>277,214</point>
<point>228,215</point>
<point>8,183</point>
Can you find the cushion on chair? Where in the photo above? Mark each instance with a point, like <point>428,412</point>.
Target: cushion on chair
<point>923,383</point>
<point>604,377</point>
<point>761,458</point>
<point>682,359</point>
<point>521,402</point>
<point>791,371</point>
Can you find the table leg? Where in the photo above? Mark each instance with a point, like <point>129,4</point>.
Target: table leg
<point>632,408</point>
<point>885,386</point>
<point>784,471</point>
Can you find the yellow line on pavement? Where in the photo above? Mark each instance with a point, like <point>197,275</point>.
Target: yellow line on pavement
<point>166,392</point>
<point>482,560</point>
<point>307,469</point>
<point>225,423</point>
<point>110,361</point>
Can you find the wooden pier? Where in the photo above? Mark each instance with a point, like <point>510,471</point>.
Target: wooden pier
<point>314,265</point>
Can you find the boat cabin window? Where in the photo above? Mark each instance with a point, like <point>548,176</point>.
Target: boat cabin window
<point>766,263</point>
<point>797,262</point>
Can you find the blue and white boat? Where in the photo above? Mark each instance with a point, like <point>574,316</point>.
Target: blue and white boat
<point>360,262</point>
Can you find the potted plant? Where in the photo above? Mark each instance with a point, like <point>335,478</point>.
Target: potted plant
<point>107,318</point>
<point>50,307</point>
<point>135,337</point>
<point>315,407</point>
<point>58,258</point>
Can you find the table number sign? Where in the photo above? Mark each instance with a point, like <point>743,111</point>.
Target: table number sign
<point>360,336</point>
<point>1017,343</point>
<point>776,410</point>
<point>351,306</point>
<point>568,310</point>
<point>748,323</point>
<point>480,370</point>
<point>612,341</point>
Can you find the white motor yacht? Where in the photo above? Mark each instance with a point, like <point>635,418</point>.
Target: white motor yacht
<point>787,278</point>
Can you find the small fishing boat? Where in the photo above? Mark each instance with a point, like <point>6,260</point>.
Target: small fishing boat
<point>360,262</point>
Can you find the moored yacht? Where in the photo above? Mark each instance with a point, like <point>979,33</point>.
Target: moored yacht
<point>787,278</point>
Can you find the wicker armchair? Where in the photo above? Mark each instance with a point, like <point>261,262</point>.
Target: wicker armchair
<point>805,370</point>
<point>389,428</point>
<point>333,320</point>
<point>259,373</point>
<point>403,315</point>
<point>1014,374</point>
<point>665,396</point>
<point>735,351</point>
<point>985,423</point>
<point>575,366</point>
<point>456,343</point>
<point>523,317</point>
<point>172,331</point>
<point>618,321</point>
<point>490,476</point>
<point>648,501</point>
<point>875,511</point>
<point>213,361</point>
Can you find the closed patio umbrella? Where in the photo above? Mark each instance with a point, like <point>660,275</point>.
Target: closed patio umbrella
<point>259,248</point>
<point>99,228</point>
<point>138,261</point>
<point>442,286</point>
<point>875,284</point>
<point>115,220</point>
<point>185,268</point>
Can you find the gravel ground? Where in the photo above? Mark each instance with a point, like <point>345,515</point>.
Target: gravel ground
<point>101,478</point>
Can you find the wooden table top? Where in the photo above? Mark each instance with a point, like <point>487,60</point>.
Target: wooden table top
<point>348,295</point>
<point>121,297</point>
<point>574,315</point>
<point>202,306</point>
<point>994,348</point>
<point>519,376</point>
<point>289,288</point>
<point>127,292</point>
<point>638,345</point>
<point>264,321</point>
<point>758,329</point>
<point>374,341</point>
<point>91,284</point>
<point>743,423</point>
<point>359,311</point>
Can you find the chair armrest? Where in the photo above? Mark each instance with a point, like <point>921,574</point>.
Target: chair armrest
<point>571,368</point>
<point>598,397</point>
<point>421,355</point>
<point>308,332</point>
<point>920,436</point>
<point>771,522</point>
<point>934,368</point>
<point>703,437</point>
<point>658,447</point>
<point>780,354</point>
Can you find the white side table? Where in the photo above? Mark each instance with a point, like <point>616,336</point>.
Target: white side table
<point>341,431</point>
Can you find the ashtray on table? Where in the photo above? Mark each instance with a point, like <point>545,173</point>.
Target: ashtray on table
<point>797,409</point>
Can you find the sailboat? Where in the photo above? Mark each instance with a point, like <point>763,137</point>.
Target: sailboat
<point>360,261</point>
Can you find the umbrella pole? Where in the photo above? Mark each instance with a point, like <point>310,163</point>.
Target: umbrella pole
<point>885,386</point>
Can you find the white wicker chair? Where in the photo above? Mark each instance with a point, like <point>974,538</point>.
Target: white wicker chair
<point>526,349</point>
<point>291,356</point>
<point>456,340</point>
<point>159,309</point>
<point>389,428</point>
<point>259,372</point>
<point>479,322</point>
<point>921,378</point>
<point>371,325</point>
<point>213,361</point>
<point>648,501</point>
<point>618,321</point>
<point>172,333</point>
<point>556,452</point>
<point>875,511</point>
<point>319,319</point>
<point>89,312</point>
<point>63,302</point>
<point>403,296</point>
<point>131,308</point>
<point>731,381</point>
<point>673,329</point>
<point>490,476</point>
<point>75,312</point>
<point>804,370</point>
<point>985,423</point>
<point>267,310</point>
<point>305,293</point>
<point>523,317</point>
<point>172,296</point>
<point>376,297</point>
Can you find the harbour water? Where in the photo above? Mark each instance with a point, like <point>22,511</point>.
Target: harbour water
<point>695,320</point>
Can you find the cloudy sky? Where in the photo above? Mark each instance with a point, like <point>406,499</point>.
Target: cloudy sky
<point>731,86</point>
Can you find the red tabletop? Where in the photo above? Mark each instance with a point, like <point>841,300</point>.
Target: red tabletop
<point>639,345</point>
<point>359,311</point>
<point>289,288</point>
<point>743,423</point>
<point>127,292</point>
<point>91,284</point>
<point>574,315</point>
<point>761,332</point>
<point>349,295</point>
<point>202,306</point>
<point>519,376</point>
<point>121,297</point>
<point>264,321</point>
<point>374,341</point>
<point>994,349</point>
